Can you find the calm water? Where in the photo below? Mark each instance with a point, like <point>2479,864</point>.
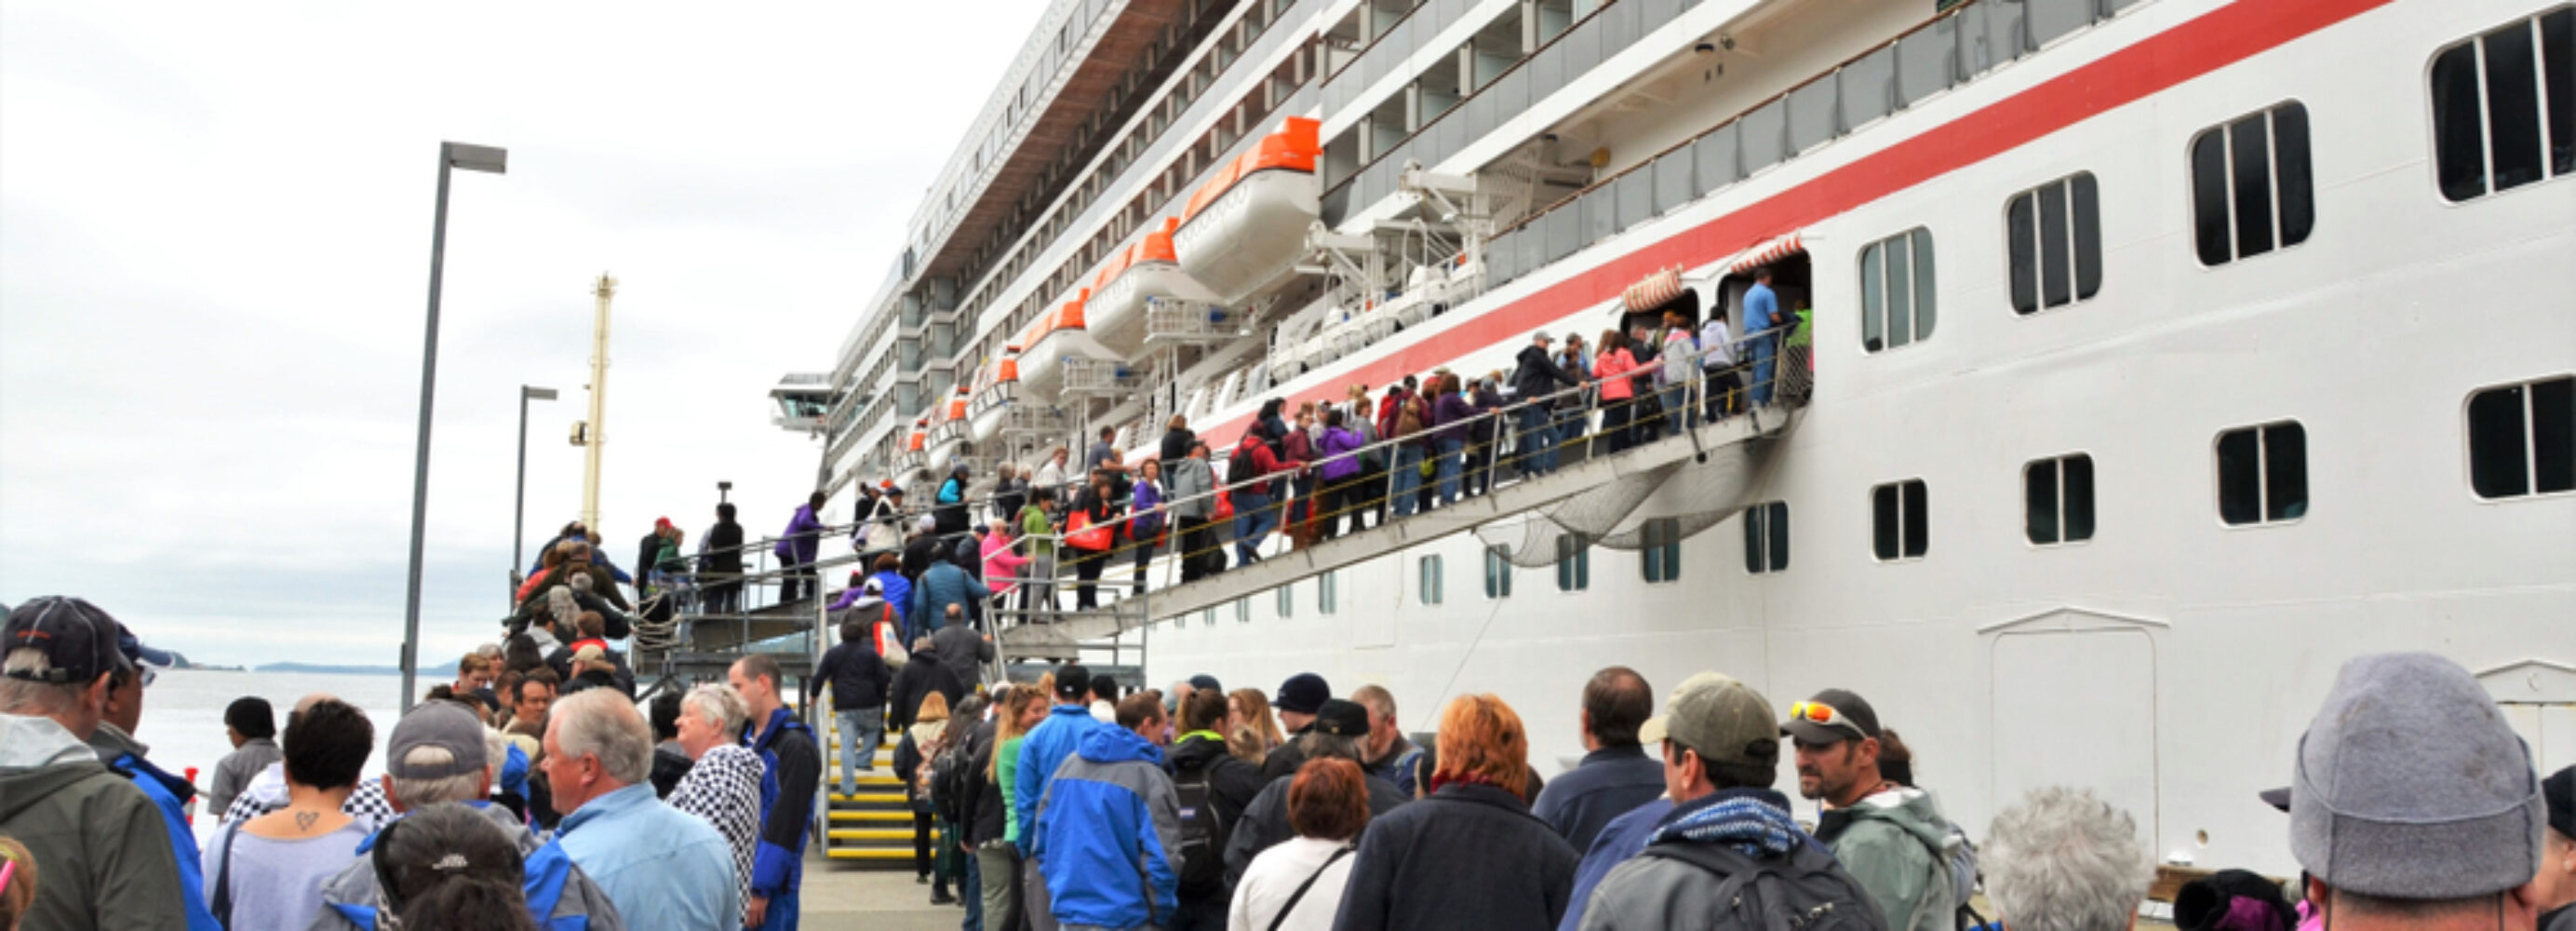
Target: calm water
<point>183,714</point>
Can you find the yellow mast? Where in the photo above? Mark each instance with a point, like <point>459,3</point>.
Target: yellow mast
<point>596,432</point>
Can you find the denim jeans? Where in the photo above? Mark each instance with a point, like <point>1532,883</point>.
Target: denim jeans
<point>1407,476</point>
<point>1537,440</point>
<point>862,729</point>
<point>1763,348</point>
<point>1677,414</point>
<point>970,890</point>
<point>1253,519</point>
<point>1449,466</point>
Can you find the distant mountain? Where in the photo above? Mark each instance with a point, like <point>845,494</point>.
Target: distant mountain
<point>335,670</point>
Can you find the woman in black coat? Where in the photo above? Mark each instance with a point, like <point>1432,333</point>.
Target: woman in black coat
<point>1469,855</point>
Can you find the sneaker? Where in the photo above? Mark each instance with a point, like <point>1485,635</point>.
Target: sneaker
<point>941,897</point>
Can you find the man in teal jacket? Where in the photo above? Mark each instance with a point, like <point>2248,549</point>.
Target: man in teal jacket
<point>1110,810</point>
<point>1889,836</point>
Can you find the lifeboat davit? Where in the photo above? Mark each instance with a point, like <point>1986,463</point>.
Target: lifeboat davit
<point>1247,226</point>
<point>1131,279</point>
<point>994,389</point>
<point>1056,335</point>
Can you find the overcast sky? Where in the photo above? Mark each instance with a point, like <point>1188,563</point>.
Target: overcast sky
<point>214,243</point>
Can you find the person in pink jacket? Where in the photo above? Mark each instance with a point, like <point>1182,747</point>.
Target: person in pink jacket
<point>1613,367</point>
<point>1001,565</point>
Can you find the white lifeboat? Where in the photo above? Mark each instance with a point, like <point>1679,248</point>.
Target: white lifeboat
<point>994,389</point>
<point>1056,334</point>
<point>948,426</point>
<point>1132,279</point>
<point>1248,224</point>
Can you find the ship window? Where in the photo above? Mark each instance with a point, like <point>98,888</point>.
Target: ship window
<point>2263,474</point>
<point>1766,537</point>
<point>1896,302</point>
<point>2058,494</point>
<point>1287,595</point>
<point>1428,568</point>
<point>2251,186</point>
<point>1207,618</point>
<point>1498,572</point>
<point>1327,592</point>
<point>2053,234</point>
<point>1899,520</point>
<point>1243,610</point>
<point>1659,554</point>
<point>1573,563</point>
<point>2503,115</point>
<point>2522,439</point>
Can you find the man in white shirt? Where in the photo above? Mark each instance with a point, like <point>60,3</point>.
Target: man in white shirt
<point>1717,358</point>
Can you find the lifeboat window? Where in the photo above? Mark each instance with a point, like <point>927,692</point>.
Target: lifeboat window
<point>2053,235</point>
<point>1573,563</point>
<point>2251,186</point>
<point>1428,574</point>
<point>2522,439</point>
<point>1900,519</point>
<point>2263,474</point>
<point>1498,572</point>
<point>2058,500</point>
<point>1659,554</point>
<point>1766,537</point>
<point>1896,290</point>
<point>2502,114</point>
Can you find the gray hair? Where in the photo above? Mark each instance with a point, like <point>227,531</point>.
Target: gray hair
<point>1319,745</point>
<point>422,793</point>
<point>36,699</point>
<point>560,606</point>
<point>2064,860</point>
<point>719,704</point>
<point>604,723</point>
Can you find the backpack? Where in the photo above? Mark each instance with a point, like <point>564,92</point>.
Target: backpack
<point>1804,891</point>
<point>948,784</point>
<point>1204,832</point>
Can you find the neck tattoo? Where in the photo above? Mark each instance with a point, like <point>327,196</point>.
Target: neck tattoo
<point>304,820</point>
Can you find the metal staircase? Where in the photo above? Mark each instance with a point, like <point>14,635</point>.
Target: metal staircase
<point>872,825</point>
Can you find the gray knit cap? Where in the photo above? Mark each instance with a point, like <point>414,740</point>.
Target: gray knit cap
<point>2410,785</point>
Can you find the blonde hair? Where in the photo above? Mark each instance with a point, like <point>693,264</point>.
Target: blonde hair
<point>1006,726</point>
<point>933,708</point>
<point>1260,733</point>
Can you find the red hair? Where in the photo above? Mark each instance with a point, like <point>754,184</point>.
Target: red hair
<point>1482,740</point>
<point>1329,799</point>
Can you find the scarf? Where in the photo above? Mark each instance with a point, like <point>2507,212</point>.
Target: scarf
<point>1748,825</point>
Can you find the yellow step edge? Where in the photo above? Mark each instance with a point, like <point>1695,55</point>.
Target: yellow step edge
<point>869,853</point>
<point>903,834</point>
<point>867,797</point>
<point>887,780</point>
<point>900,817</point>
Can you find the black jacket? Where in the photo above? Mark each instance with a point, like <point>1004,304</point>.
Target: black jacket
<point>1283,762</point>
<point>922,675</point>
<point>1176,444</point>
<point>858,676</point>
<point>1468,856</point>
<point>918,554</point>
<point>724,549</point>
<point>670,765</point>
<point>980,799</point>
<point>1265,822</point>
<point>1538,376</point>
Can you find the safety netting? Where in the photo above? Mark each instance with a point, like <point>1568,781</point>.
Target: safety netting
<point>1692,494</point>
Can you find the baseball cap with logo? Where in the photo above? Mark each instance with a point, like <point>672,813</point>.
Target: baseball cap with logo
<point>1342,718</point>
<point>80,642</point>
<point>1833,716</point>
<point>1719,718</point>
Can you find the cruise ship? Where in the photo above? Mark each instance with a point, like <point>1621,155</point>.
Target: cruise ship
<point>2165,353</point>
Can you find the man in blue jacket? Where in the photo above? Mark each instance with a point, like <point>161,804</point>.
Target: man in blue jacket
<point>1110,811</point>
<point>116,746</point>
<point>1044,748</point>
<point>790,764</point>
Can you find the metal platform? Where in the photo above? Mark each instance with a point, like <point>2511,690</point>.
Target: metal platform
<point>1188,322</point>
<point>1084,377</point>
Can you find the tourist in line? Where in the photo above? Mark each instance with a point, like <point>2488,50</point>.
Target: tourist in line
<point>1097,507</point>
<point>266,791</point>
<point>1724,826</point>
<point>1104,699</point>
<point>790,763</point>
<point>251,725</point>
<point>1214,789</point>
<point>1763,324</point>
<point>1677,363</point>
<point>1177,439</point>
<point>1723,391</point>
<point>1891,837</point>
<point>796,548</point>
<point>1301,698</point>
<point>1297,453</point>
<point>1391,755</point>
<point>720,563</point>
<point>1193,491</point>
<point>1449,415</point>
<point>670,760</point>
<point>1250,730</point>
<point>1010,490</point>
<point>1246,476</point>
<point>922,741</point>
<point>450,869</point>
<point>858,678</point>
<point>1615,370</point>
<point>1056,471</point>
<point>1615,775</point>
<point>1002,564</point>
<point>436,755</point>
<point>926,674</point>
<point>1108,819</point>
<point>267,872</point>
<point>1405,422</point>
<point>1045,747</point>
<point>1468,855</point>
<point>2066,859</point>
<point>962,649</point>
<point>1365,496</point>
<point>2557,902</point>
<point>664,869</point>
<point>944,589</point>
<point>109,863</point>
<point>172,794</point>
<point>949,511</point>
<point>1342,482</point>
<point>1340,732</point>
<point>969,733</point>
<point>1482,434</point>
<point>1536,380</point>
<point>1297,885</point>
<point>722,787</point>
<point>992,827</point>
<point>1038,534</point>
<point>1145,501</point>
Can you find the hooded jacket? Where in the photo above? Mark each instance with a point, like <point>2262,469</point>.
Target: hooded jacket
<point>942,584</point>
<point>1232,783</point>
<point>790,764</point>
<point>102,847</point>
<point>560,897</point>
<point>1537,376</point>
<point>1894,842</point>
<point>1042,749</point>
<point>170,796</point>
<point>1336,450</point>
<point>802,538</point>
<point>1192,480</point>
<point>1107,828</point>
<point>924,673</point>
<point>1645,892</point>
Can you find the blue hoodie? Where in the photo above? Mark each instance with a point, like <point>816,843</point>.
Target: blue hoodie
<point>1041,751</point>
<point>1106,832</point>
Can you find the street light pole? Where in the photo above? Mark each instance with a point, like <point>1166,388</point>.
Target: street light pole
<point>451,155</point>
<point>519,510</point>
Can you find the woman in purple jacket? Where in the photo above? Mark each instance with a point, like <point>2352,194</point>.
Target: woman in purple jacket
<point>1341,474</point>
<point>1449,435</point>
<point>1146,503</point>
<point>796,549</point>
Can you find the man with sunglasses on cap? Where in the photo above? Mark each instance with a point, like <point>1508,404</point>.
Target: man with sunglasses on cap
<point>115,744</point>
<point>100,845</point>
<point>1890,836</point>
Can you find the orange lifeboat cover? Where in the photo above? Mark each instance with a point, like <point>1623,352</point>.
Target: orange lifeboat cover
<point>1294,147</point>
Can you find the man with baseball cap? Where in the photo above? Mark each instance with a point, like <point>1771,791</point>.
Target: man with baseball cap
<point>1890,836</point>
<point>2413,804</point>
<point>99,842</point>
<point>172,795</point>
<point>1299,700</point>
<point>1721,751</point>
<point>437,756</point>
<point>1536,379</point>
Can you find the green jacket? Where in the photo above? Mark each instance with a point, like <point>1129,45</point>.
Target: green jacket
<point>1893,843</point>
<point>1037,528</point>
<point>102,851</point>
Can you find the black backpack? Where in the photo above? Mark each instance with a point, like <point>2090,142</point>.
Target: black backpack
<point>1804,891</point>
<point>1204,832</point>
<point>948,784</point>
